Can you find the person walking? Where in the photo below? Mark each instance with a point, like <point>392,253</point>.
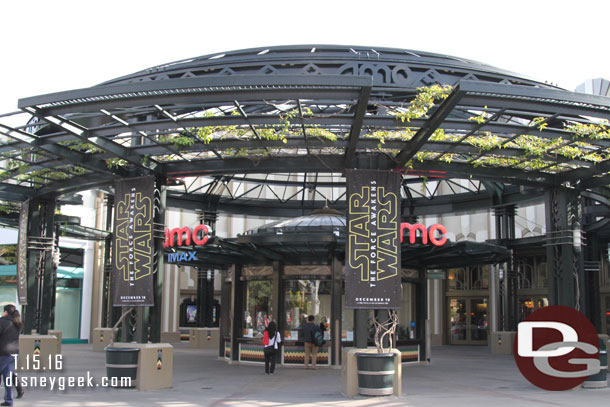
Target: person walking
<point>16,381</point>
<point>311,348</point>
<point>271,339</point>
<point>10,326</point>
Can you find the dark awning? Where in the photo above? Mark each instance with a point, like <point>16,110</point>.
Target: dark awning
<point>459,254</point>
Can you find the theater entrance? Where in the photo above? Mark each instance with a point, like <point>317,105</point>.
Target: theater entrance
<point>468,320</point>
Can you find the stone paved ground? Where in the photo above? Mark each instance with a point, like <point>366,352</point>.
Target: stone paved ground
<point>457,376</point>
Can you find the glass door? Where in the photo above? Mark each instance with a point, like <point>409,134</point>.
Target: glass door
<point>457,321</point>
<point>478,321</point>
<point>468,321</point>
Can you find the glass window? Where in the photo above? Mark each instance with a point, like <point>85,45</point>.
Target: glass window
<point>406,314</point>
<point>479,277</point>
<point>347,319</point>
<point>525,270</point>
<point>304,298</point>
<point>456,279</point>
<point>527,305</point>
<point>604,274</point>
<point>532,272</point>
<point>541,276</point>
<point>258,308</point>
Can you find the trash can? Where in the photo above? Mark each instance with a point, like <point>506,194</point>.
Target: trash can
<point>121,363</point>
<point>375,374</point>
<point>599,380</point>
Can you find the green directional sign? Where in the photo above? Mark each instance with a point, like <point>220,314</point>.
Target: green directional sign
<point>435,275</point>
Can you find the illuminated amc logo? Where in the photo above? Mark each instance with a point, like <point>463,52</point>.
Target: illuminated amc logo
<point>426,234</point>
<point>184,236</point>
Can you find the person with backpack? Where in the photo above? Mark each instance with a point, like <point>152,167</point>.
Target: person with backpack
<point>313,340</point>
<point>10,326</point>
<point>271,339</point>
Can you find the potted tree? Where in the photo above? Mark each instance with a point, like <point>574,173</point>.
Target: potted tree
<point>376,371</point>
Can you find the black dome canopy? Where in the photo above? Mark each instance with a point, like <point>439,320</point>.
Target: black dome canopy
<point>319,221</point>
<point>388,66</point>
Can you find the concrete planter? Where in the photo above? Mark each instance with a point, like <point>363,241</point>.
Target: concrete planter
<point>351,369</point>
<point>376,374</point>
<point>122,363</point>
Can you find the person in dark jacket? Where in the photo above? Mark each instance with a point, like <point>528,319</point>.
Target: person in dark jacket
<point>310,347</point>
<point>16,381</point>
<point>10,326</point>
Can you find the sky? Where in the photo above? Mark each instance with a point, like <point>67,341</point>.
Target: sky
<point>51,46</point>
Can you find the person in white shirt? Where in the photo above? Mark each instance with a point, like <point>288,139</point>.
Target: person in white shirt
<point>271,347</point>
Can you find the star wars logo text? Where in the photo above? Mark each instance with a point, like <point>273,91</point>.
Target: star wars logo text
<point>133,236</point>
<point>373,233</point>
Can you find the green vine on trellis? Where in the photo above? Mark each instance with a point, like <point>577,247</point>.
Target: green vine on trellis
<point>116,163</point>
<point>538,152</point>
<point>533,151</point>
<point>81,146</point>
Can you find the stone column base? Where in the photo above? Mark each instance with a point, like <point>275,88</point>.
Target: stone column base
<point>502,342</point>
<point>38,353</point>
<point>101,338</point>
<point>206,338</point>
<point>55,333</point>
<point>170,337</point>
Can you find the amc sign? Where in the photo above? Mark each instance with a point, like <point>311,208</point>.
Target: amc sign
<point>426,234</point>
<point>184,236</point>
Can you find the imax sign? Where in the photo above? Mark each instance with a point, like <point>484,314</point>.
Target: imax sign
<point>182,256</point>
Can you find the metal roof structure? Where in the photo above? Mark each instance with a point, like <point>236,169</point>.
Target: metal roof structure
<point>296,117</point>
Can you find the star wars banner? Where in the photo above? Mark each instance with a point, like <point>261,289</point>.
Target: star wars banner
<point>22,254</point>
<point>132,278</point>
<point>372,279</point>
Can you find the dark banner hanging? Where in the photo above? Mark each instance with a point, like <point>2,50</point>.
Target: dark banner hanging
<point>372,279</point>
<point>132,278</point>
<point>22,254</point>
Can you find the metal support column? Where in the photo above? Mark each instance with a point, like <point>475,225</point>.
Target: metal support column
<point>335,313</point>
<point>237,310</point>
<point>107,309</point>
<point>41,241</point>
<point>205,281</point>
<point>361,328</point>
<point>56,258</point>
<point>225,311</point>
<point>155,312</point>
<point>277,296</point>
<point>201,297</point>
<point>47,295</point>
<point>592,253</point>
<point>508,283</point>
<point>33,259</point>
<point>421,313</point>
<point>564,251</point>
